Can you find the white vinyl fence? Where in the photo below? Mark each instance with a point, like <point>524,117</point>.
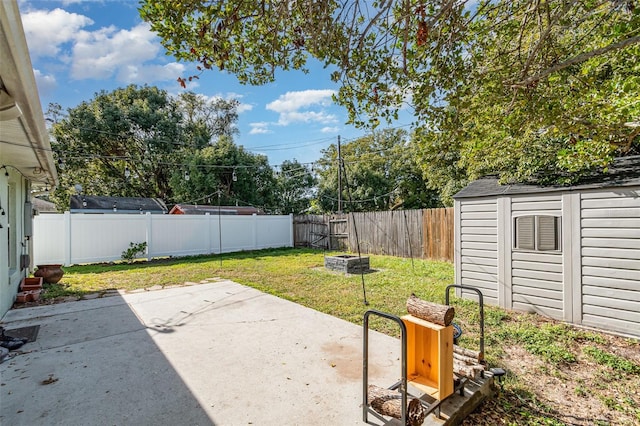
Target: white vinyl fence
<point>86,238</point>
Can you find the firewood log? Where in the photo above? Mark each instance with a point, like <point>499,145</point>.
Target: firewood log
<point>468,352</point>
<point>389,403</point>
<point>432,312</point>
<point>470,371</point>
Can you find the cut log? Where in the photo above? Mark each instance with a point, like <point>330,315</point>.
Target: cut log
<point>470,371</point>
<point>389,403</point>
<point>465,359</point>
<point>468,352</point>
<point>432,312</point>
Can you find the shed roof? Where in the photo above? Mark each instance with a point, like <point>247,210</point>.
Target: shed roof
<point>43,206</point>
<point>203,209</point>
<point>624,171</point>
<point>102,204</point>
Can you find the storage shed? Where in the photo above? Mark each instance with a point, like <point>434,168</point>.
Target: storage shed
<point>214,210</point>
<point>93,204</point>
<point>571,253</point>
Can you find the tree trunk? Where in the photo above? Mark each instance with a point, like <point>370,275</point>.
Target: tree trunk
<point>432,312</point>
<point>389,403</point>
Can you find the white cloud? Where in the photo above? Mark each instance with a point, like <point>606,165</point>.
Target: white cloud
<point>244,108</point>
<point>47,30</point>
<point>259,128</point>
<point>297,107</point>
<point>292,101</point>
<point>146,73</point>
<point>109,51</point>
<point>46,82</point>
<point>330,129</point>
<point>306,117</point>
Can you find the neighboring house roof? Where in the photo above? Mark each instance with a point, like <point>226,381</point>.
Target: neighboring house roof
<point>43,206</point>
<point>223,210</point>
<point>624,171</point>
<point>25,140</point>
<point>124,205</point>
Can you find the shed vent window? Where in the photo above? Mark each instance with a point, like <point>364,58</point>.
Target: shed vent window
<point>538,232</point>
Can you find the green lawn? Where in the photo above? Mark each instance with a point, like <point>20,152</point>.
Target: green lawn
<point>557,374</point>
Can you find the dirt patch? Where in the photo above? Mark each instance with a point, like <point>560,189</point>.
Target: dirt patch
<point>584,392</point>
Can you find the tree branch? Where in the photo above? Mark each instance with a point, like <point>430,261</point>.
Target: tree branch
<point>575,60</point>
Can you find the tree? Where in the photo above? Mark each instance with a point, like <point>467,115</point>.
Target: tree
<point>488,77</point>
<point>206,120</point>
<point>130,141</point>
<point>118,144</point>
<point>224,173</point>
<point>379,172</point>
<point>295,185</point>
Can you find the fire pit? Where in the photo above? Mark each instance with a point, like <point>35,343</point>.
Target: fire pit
<point>347,263</point>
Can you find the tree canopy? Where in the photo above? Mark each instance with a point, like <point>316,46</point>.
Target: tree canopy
<point>295,188</point>
<point>486,80</point>
<point>374,172</point>
<point>141,142</point>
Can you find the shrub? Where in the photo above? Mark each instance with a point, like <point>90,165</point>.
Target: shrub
<point>133,251</point>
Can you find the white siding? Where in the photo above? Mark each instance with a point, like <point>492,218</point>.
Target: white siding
<point>537,277</point>
<point>611,260</point>
<point>478,248</point>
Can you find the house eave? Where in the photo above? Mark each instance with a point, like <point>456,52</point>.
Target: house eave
<point>24,139</point>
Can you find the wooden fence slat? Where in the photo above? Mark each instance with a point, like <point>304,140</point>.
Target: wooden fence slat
<point>426,233</point>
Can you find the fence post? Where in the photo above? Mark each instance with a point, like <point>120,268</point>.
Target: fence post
<point>255,230</point>
<point>291,242</point>
<point>67,238</point>
<point>149,228</point>
<point>210,244</point>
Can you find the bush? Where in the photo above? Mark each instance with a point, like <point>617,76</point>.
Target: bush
<point>133,251</point>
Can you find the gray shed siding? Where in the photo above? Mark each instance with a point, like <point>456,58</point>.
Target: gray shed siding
<point>583,267</point>
<point>610,228</point>
<point>592,280</point>
<point>478,248</point>
<point>537,277</point>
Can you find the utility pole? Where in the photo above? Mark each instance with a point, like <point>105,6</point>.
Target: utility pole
<point>339,177</point>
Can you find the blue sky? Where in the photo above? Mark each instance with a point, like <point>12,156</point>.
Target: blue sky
<point>79,48</point>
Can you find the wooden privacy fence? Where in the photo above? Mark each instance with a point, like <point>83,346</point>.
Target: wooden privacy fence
<point>426,233</point>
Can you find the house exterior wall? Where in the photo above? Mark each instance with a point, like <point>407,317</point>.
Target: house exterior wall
<point>610,239</point>
<point>592,280</point>
<point>13,193</point>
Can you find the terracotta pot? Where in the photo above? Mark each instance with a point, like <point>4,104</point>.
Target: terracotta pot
<point>22,296</point>
<point>35,295</point>
<point>51,274</point>
<point>33,283</point>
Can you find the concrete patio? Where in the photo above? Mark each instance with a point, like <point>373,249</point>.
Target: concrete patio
<point>210,354</point>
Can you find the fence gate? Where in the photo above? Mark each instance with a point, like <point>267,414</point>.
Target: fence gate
<point>338,233</point>
<point>311,231</point>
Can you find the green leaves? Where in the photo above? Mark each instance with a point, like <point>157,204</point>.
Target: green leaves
<point>129,142</point>
<point>485,80</point>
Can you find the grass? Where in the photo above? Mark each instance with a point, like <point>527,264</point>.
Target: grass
<point>557,374</point>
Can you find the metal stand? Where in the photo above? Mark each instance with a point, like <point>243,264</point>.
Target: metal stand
<point>481,303</point>
<point>401,385</point>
